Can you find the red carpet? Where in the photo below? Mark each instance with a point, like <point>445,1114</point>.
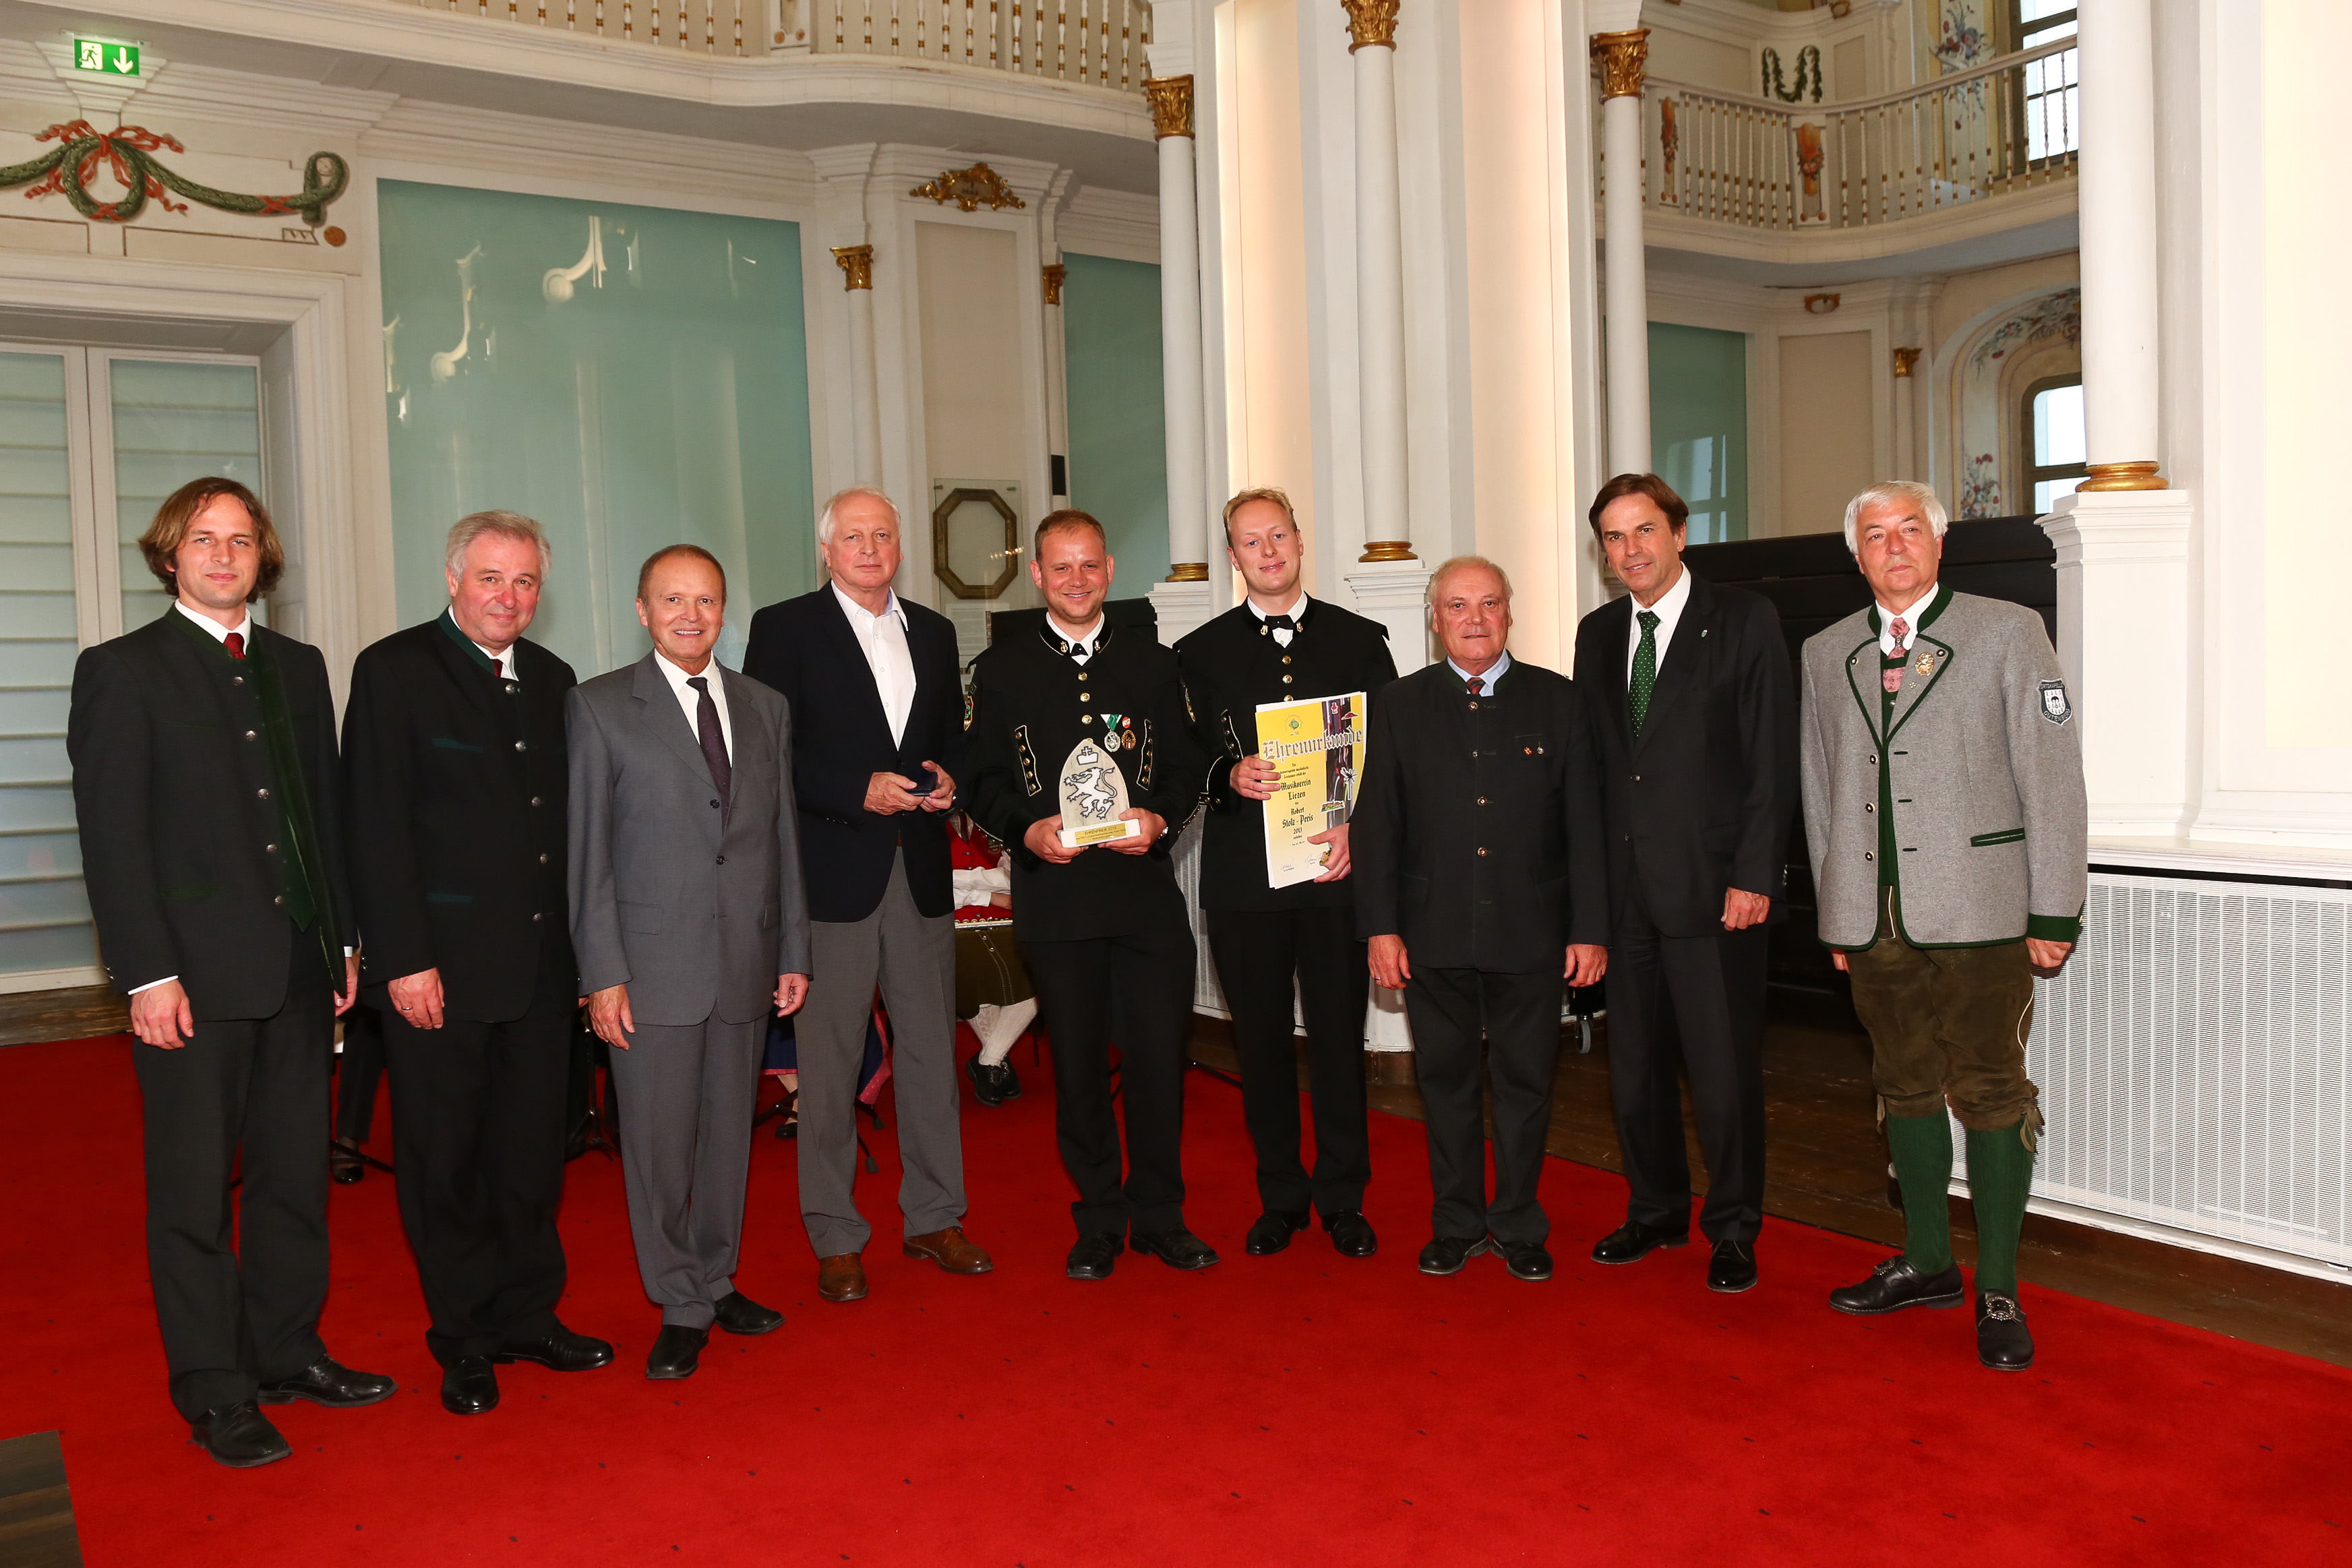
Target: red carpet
<point>1304,1409</point>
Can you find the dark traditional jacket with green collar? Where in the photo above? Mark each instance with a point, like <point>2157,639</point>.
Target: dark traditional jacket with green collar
<point>1964,795</point>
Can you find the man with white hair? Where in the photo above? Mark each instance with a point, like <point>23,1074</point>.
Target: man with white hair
<point>455,786</point>
<point>877,716</point>
<point>1482,885</point>
<point>1950,852</point>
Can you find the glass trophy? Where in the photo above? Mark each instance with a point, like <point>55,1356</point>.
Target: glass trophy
<point>1093,795</point>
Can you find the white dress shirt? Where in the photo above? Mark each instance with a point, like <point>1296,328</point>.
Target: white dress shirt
<point>691,702</point>
<point>1668,609</point>
<point>1294,609</point>
<point>1495,671</point>
<point>505,661</point>
<point>1910,619</point>
<point>883,639</point>
<point>1082,646</point>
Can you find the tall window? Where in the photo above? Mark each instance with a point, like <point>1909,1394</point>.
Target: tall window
<point>2055,446</point>
<point>2052,103</point>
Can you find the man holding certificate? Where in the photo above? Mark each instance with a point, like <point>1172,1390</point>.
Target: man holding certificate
<point>1082,766</point>
<point>1278,687</point>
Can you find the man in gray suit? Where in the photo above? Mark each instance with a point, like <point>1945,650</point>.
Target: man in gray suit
<point>689,919</point>
<point>1950,845</point>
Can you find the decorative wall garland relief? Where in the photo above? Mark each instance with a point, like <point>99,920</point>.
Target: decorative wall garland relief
<point>127,153</point>
<point>1808,68</point>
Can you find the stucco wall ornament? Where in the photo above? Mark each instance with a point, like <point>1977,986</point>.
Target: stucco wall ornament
<point>127,153</point>
<point>970,189</point>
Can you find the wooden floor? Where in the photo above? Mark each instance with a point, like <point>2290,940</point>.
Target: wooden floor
<point>37,1526</point>
<point>28,1017</point>
<point>1826,1166</point>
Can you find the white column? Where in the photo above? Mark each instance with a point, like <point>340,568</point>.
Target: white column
<point>1623,268</point>
<point>2118,196</point>
<point>1906,419</point>
<point>1379,281</point>
<point>856,264</point>
<point>1179,331</point>
<point>1057,382</point>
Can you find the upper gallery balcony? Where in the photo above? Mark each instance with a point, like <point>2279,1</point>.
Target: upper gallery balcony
<point>1967,166</point>
<point>1022,78</point>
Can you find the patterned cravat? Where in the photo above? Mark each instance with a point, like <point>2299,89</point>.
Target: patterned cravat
<point>1891,677</point>
<point>1645,670</point>
<point>235,642</point>
<point>1476,685</point>
<point>714,746</point>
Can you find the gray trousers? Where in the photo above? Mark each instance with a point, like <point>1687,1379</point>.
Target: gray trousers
<point>913,957</point>
<point>687,1091</point>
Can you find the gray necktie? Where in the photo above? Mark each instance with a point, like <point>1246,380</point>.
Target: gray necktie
<point>714,746</point>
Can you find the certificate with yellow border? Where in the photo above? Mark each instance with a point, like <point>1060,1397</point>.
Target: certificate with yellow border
<point>1318,748</point>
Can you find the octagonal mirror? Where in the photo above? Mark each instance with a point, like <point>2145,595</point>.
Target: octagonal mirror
<point>976,544</point>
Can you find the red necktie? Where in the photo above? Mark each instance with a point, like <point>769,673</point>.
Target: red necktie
<point>235,641</point>
<point>1891,677</point>
<point>1476,684</point>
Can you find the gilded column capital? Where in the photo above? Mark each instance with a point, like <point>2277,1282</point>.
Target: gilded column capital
<point>1907,362</point>
<point>1621,57</point>
<point>1054,276</point>
<point>1171,98</point>
<point>1371,24</point>
<point>856,264</point>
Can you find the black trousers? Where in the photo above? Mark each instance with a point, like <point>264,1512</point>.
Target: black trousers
<point>1520,1015</point>
<point>360,1069</point>
<point>1135,992</point>
<point>1709,990</point>
<point>238,1292</point>
<point>477,1129</point>
<point>1258,952</point>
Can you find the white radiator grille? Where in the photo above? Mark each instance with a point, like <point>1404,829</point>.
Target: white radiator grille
<point>2195,1060</point>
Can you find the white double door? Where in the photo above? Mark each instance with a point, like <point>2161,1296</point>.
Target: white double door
<point>92,441</point>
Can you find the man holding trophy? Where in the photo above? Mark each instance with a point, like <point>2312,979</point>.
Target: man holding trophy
<point>1268,923</point>
<point>1084,767</point>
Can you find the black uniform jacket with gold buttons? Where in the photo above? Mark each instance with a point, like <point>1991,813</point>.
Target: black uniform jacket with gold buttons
<point>455,786</point>
<point>1232,664</point>
<point>1031,706</point>
<point>1478,832</point>
<point>179,805</point>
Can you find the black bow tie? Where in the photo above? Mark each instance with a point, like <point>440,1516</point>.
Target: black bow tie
<point>1280,624</point>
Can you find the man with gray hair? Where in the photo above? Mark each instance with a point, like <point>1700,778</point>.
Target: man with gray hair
<point>1482,885</point>
<point>1950,861</point>
<point>879,712</point>
<point>454,784</point>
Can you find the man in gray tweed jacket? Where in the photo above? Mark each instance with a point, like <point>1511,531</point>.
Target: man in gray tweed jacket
<point>1948,829</point>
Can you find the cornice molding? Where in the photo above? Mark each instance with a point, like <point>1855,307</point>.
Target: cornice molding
<point>1121,225</point>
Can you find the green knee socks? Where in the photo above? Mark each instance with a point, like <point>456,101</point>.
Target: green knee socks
<point>1922,1146</point>
<point>2001,1172</point>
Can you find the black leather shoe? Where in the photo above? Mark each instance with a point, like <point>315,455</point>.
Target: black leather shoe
<point>2004,1342</point>
<point>328,1383</point>
<point>993,1085</point>
<point>677,1350</point>
<point>1272,1233</point>
<point>1095,1256</point>
<point>1633,1241</point>
<point>1351,1235</point>
<point>1178,1248</point>
<point>1733,1268</point>
<point>1448,1254</point>
<point>1895,1285</point>
<point>469,1387</point>
<point>738,1314</point>
<point>1528,1259</point>
<point>556,1348</point>
<point>238,1436</point>
<point>344,1162</point>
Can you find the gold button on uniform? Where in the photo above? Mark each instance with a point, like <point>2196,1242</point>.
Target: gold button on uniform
<point>1482,849</point>
<point>261,795</point>
<point>519,746</point>
<point>1481,800</point>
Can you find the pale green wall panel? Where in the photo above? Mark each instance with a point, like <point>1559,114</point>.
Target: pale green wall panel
<point>1698,424</point>
<point>630,376</point>
<point>1118,438</point>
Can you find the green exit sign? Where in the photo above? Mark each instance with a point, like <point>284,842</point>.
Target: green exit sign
<point>106,57</point>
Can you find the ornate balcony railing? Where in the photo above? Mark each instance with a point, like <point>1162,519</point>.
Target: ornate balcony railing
<point>1091,43</point>
<point>2011,124</point>
<point>1095,43</point>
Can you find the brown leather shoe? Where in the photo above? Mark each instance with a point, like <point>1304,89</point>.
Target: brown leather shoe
<point>841,1277</point>
<point>951,1250</point>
